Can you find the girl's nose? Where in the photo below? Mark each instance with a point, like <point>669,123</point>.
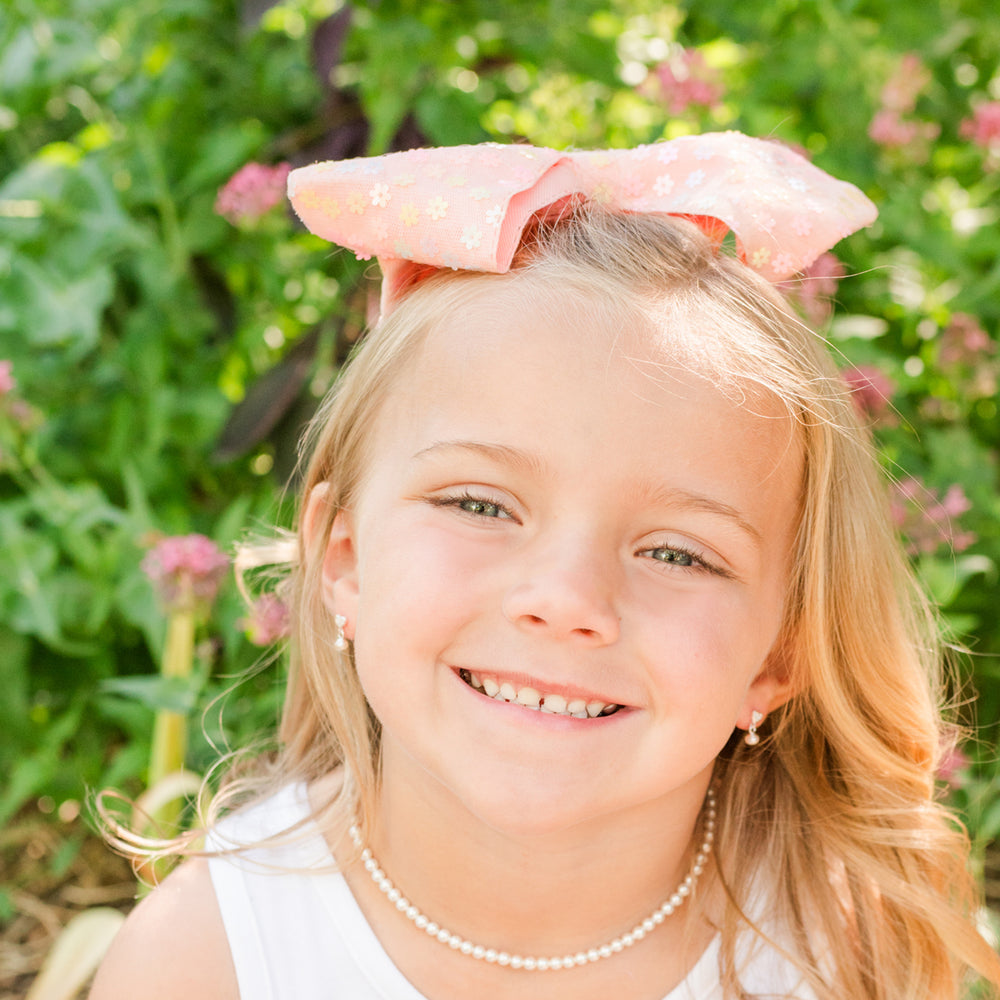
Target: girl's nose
<point>565,599</point>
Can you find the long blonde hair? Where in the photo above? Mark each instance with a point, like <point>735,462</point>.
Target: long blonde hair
<point>833,817</point>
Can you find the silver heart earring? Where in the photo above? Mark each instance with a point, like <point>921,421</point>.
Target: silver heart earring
<point>752,737</point>
<point>341,641</point>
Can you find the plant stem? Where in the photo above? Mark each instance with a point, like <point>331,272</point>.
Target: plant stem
<point>170,728</point>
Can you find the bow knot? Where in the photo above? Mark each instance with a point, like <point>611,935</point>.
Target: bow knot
<point>467,206</point>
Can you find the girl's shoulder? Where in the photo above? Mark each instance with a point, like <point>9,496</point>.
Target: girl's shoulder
<point>176,942</point>
<point>172,944</point>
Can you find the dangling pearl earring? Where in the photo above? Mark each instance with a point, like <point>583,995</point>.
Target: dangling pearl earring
<point>752,738</point>
<point>341,641</point>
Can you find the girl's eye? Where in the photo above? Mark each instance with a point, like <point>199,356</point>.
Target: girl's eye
<point>485,508</point>
<point>478,506</point>
<point>676,555</point>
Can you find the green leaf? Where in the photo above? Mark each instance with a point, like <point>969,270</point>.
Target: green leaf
<point>32,772</point>
<point>169,694</point>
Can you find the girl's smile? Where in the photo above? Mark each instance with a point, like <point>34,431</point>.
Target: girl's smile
<point>565,575</point>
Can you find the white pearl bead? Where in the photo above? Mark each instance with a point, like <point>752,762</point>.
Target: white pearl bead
<point>491,955</point>
<point>478,952</point>
<point>419,919</point>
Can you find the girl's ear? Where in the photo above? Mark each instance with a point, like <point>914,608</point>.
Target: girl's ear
<point>339,578</point>
<point>770,689</point>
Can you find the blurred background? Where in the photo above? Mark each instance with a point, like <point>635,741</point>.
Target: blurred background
<point>166,328</point>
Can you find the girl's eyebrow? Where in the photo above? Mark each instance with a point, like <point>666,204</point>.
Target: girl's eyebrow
<point>501,453</point>
<point>679,498</point>
<point>663,496</point>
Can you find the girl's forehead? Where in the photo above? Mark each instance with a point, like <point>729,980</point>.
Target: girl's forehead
<point>579,328</point>
<point>512,345</point>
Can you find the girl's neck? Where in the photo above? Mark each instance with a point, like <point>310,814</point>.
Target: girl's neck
<point>535,891</point>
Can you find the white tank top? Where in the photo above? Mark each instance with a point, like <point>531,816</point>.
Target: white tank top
<point>296,932</point>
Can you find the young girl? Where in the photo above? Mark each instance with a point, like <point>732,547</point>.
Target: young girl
<point>608,676</point>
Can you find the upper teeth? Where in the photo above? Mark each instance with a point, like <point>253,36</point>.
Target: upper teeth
<point>529,697</point>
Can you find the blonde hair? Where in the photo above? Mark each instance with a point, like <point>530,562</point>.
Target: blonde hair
<point>832,820</point>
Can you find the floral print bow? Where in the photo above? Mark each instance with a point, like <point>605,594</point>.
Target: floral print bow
<point>465,207</point>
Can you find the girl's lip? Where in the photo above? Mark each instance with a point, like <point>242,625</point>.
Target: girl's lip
<point>522,680</point>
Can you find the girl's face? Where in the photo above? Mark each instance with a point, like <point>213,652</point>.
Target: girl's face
<point>555,514</point>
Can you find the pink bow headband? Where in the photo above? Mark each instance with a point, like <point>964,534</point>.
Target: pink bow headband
<point>467,206</point>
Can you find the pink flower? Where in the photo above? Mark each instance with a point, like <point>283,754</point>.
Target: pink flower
<point>186,571</point>
<point>7,381</point>
<point>686,80</point>
<point>952,763</point>
<point>889,128</point>
<point>813,289</point>
<point>871,390</point>
<point>252,192</point>
<point>983,128</point>
<point>964,342</point>
<point>267,621</point>
<point>967,356</point>
<point>905,85</point>
<point>928,521</point>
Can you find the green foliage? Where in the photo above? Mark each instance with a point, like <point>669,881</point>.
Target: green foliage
<point>166,357</point>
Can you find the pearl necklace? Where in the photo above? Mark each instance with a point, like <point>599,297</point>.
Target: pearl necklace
<point>529,964</point>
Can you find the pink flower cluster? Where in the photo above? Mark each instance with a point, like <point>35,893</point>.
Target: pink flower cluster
<point>983,128</point>
<point>871,390</point>
<point>815,287</point>
<point>893,126</point>
<point>967,355</point>
<point>926,520</point>
<point>686,80</point>
<point>22,415</point>
<point>252,192</point>
<point>267,622</point>
<point>951,767</point>
<point>186,571</point>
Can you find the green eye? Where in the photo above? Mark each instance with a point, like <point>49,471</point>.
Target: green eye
<point>482,507</point>
<point>676,557</point>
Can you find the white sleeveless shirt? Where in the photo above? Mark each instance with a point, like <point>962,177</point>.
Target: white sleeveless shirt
<point>296,932</point>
